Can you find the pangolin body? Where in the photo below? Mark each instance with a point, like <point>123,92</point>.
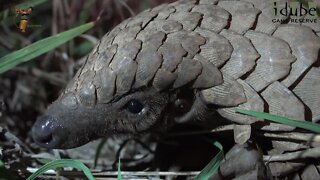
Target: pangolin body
<point>228,53</point>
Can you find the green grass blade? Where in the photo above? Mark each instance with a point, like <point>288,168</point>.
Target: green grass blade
<point>119,171</point>
<point>83,49</point>
<point>283,120</point>
<point>212,167</point>
<point>98,151</point>
<point>146,4</point>
<point>62,163</point>
<point>30,3</point>
<point>40,47</point>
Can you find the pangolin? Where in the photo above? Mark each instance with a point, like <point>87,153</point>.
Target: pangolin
<point>182,61</point>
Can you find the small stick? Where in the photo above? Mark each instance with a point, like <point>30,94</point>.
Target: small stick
<point>229,127</point>
<point>309,137</point>
<point>13,138</point>
<point>308,153</point>
<point>123,173</point>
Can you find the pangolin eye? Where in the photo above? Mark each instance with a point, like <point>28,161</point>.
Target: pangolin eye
<point>134,106</point>
<point>182,105</point>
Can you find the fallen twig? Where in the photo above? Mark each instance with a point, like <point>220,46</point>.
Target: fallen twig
<point>98,173</point>
<point>308,153</point>
<point>13,138</point>
<point>309,137</point>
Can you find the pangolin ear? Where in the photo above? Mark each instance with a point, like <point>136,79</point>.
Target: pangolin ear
<point>197,109</point>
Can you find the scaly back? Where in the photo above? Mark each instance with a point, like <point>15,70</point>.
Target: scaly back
<point>231,52</point>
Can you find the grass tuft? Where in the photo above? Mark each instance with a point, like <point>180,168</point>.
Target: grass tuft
<point>119,171</point>
<point>98,151</point>
<point>212,167</point>
<point>62,163</point>
<point>40,47</point>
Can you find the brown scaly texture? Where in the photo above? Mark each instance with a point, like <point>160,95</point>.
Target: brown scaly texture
<point>230,50</point>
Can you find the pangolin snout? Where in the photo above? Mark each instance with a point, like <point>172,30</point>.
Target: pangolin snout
<point>43,132</point>
<point>65,126</point>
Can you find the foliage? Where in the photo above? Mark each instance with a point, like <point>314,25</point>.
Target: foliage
<point>62,163</point>
<point>212,167</point>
